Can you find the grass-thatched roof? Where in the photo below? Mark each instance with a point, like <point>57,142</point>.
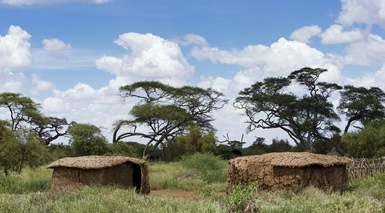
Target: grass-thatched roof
<point>294,159</point>
<point>94,162</point>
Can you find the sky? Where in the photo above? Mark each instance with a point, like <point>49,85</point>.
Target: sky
<point>71,56</point>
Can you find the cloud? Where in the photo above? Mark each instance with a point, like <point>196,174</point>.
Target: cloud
<point>192,39</point>
<point>55,45</point>
<point>362,12</point>
<point>15,48</point>
<point>41,2</point>
<point>335,34</point>
<point>218,83</point>
<point>151,57</point>
<point>304,34</point>
<point>280,58</point>
<point>39,85</point>
<point>366,52</point>
<point>11,82</point>
<point>85,104</point>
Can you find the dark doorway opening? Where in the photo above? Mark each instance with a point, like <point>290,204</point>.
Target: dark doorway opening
<point>137,173</point>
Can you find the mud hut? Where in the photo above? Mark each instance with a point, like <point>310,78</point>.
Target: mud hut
<point>290,171</point>
<point>125,172</point>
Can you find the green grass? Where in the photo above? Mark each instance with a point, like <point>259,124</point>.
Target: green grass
<point>28,193</point>
<point>103,199</point>
<point>31,180</point>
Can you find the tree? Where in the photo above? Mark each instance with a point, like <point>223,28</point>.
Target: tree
<point>197,141</point>
<point>50,128</point>
<point>361,104</point>
<point>163,112</point>
<point>87,139</point>
<point>24,113</point>
<point>21,109</point>
<point>305,118</point>
<point>18,149</point>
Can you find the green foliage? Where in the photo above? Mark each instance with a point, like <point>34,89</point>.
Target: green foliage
<point>210,167</point>
<point>368,142</point>
<point>87,139</point>
<point>131,149</point>
<point>148,111</point>
<point>306,118</point>
<point>260,147</point>
<point>361,104</point>
<point>58,151</point>
<point>197,141</point>
<point>24,113</point>
<point>21,109</point>
<point>18,149</point>
<point>166,112</point>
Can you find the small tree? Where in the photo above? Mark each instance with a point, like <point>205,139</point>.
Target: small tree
<point>18,149</point>
<point>87,139</point>
<point>197,141</point>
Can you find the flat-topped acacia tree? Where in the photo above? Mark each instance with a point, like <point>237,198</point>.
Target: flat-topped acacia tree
<point>25,113</point>
<point>163,112</point>
<point>305,118</point>
<point>308,117</point>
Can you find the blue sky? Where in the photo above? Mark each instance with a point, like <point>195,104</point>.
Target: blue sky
<point>79,51</point>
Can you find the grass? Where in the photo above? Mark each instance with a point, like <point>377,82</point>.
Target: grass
<point>181,188</point>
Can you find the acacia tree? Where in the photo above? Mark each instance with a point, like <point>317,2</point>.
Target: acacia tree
<point>20,108</point>
<point>163,112</point>
<point>50,128</point>
<point>360,104</point>
<point>24,113</point>
<point>305,118</point>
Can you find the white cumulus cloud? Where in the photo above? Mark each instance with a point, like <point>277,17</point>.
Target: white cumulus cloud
<point>366,52</point>
<point>280,58</point>
<point>15,48</point>
<point>151,57</point>
<point>362,12</point>
<point>304,34</point>
<point>55,45</point>
<point>335,34</point>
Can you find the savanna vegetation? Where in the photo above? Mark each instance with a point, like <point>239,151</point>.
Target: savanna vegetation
<point>172,127</point>
<point>194,184</point>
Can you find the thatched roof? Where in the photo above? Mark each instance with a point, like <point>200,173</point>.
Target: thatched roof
<point>93,162</point>
<point>295,159</point>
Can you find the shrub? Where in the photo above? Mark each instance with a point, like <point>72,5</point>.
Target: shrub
<point>20,149</point>
<point>87,139</point>
<point>210,167</point>
<point>367,143</point>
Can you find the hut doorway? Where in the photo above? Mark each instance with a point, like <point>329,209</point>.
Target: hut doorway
<point>137,177</point>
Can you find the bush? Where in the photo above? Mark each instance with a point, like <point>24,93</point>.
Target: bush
<point>20,149</point>
<point>367,143</point>
<point>210,167</point>
<point>87,139</point>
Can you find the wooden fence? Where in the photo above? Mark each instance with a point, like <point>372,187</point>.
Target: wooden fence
<point>366,167</point>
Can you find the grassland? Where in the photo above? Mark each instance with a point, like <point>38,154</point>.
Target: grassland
<point>184,187</point>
